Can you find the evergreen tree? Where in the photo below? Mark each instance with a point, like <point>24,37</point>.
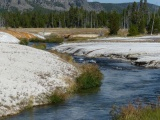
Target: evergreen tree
<point>134,14</point>
<point>141,5</point>
<point>133,30</point>
<point>114,24</point>
<point>141,26</point>
<point>156,25</point>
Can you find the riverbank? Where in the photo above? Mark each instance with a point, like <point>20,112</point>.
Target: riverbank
<point>141,54</point>
<point>29,76</point>
<point>144,38</point>
<point>39,73</point>
<point>123,83</point>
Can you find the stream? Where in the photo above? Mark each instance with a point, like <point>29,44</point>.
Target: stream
<point>123,83</point>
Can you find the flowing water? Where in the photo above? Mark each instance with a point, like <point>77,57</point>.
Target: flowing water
<point>122,83</point>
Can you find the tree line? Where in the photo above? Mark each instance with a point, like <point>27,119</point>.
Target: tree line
<point>137,18</point>
<point>74,18</point>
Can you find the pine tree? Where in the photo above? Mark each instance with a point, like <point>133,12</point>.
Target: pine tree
<point>114,24</point>
<point>154,28</point>
<point>146,12</point>
<point>133,30</point>
<point>141,5</point>
<point>141,26</point>
<point>142,18</point>
<point>134,14</point>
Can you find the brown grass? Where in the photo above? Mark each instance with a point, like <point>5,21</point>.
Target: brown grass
<point>123,32</point>
<point>57,97</point>
<point>138,111</point>
<point>77,39</point>
<point>63,31</point>
<point>19,34</point>
<point>64,56</point>
<point>72,85</point>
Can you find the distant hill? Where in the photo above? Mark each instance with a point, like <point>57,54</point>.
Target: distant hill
<point>61,5</point>
<point>118,7</point>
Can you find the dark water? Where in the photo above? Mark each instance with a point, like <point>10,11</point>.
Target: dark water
<point>123,83</point>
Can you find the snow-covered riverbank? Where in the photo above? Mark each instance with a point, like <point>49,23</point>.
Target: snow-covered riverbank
<point>143,54</point>
<point>28,75</point>
<point>7,38</point>
<point>148,38</point>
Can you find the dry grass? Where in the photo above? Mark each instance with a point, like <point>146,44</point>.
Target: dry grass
<point>105,34</point>
<point>77,39</point>
<point>137,112</point>
<point>72,86</point>
<point>41,46</point>
<point>18,34</point>
<point>123,32</point>
<point>64,56</point>
<point>63,31</point>
<point>57,97</point>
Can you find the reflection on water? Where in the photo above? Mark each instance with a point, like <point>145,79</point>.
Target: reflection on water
<point>123,83</point>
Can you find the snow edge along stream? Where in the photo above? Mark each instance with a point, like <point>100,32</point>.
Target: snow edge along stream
<point>141,54</point>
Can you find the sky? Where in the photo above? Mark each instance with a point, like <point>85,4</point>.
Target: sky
<point>157,2</point>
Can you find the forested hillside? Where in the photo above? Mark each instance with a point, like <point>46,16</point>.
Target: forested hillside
<point>61,5</point>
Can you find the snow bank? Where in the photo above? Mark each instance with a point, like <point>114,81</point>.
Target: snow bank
<point>143,54</point>
<point>86,35</point>
<point>39,36</point>
<point>142,38</point>
<point>45,33</point>
<point>7,38</point>
<point>28,75</point>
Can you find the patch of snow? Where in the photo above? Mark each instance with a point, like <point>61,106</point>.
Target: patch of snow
<point>45,33</point>
<point>142,38</point>
<point>86,35</point>
<point>28,75</point>
<point>7,38</point>
<point>148,53</point>
<point>39,36</point>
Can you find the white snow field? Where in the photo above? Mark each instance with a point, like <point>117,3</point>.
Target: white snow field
<point>130,39</point>
<point>28,75</point>
<point>7,38</point>
<point>143,54</point>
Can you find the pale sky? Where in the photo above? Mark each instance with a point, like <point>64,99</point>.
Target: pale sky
<point>157,2</point>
